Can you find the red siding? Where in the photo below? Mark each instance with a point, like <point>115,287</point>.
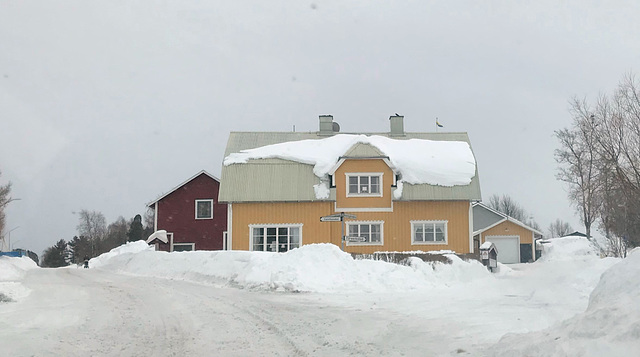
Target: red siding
<point>177,211</point>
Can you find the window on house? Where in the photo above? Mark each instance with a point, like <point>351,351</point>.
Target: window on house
<point>369,233</point>
<point>275,238</point>
<point>364,184</point>
<point>428,232</point>
<point>183,247</point>
<point>204,209</point>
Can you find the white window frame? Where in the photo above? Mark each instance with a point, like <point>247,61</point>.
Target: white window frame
<point>193,246</point>
<point>353,223</point>
<point>379,175</point>
<point>204,200</point>
<point>429,222</point>
<point>271,225</point>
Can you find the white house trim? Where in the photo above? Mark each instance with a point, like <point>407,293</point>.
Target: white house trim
<point>229,226</point>
<point>380,176</point>
<point>471,248</point>
<point>182,184</point>
<point>273,225</point>
<point>363,209</point>
<point>198,200</point>
<point>193,245</point>
<point>446,232</point>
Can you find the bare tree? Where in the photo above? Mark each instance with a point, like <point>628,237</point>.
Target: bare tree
<point>599,158</point>
<point>116,235</point>
<point>5,191</point>
<point>149,223</point>
<point>92,225</point>
<point>559,228</point>
<point>578,161</point>
<point>508,206</point>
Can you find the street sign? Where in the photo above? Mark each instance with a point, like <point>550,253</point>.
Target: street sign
<point>355,239</point>
<point>338,217</point>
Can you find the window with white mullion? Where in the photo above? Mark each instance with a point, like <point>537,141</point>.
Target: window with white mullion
<point>364,184</point>
<point>275,238</point>
<point>371,233</point>
<point>428,232</point>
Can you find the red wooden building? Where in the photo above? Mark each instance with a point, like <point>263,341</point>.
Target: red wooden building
<point>191,216</point>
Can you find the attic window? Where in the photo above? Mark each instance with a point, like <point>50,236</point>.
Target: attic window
<point>364,184</point>
<point>204,209</point>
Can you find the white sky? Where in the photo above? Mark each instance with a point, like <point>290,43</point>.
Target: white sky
<point>105,106</point>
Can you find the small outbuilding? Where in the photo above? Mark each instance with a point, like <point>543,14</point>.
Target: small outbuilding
<point>514,240</point>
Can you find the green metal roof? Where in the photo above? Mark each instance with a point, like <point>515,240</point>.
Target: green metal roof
<point>266,180</point>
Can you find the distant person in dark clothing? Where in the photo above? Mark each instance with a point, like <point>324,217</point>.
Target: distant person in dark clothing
<point>86,262</point>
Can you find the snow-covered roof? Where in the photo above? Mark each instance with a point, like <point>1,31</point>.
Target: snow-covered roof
<point>160,235</point>
<point>295,166</point>
<point>419,161</point>
<point>488,245</point>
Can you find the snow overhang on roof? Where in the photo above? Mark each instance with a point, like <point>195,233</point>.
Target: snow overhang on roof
<point>442,163</point>
<point>437,166</point>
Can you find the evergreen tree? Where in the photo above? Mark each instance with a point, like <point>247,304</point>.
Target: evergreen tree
<point>55,256</point>
<point>79,247</point>
<point>135,230</point>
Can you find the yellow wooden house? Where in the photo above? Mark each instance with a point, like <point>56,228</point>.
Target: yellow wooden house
<point>403,191</point>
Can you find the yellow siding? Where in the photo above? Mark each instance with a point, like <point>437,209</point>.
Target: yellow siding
<point>356,166</point>
<point>396,228</point>
<point>507,228</point>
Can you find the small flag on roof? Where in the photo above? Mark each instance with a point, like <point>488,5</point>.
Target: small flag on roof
<point>438,124</point>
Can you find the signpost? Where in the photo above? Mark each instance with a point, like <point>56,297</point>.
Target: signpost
<point>340,217</point>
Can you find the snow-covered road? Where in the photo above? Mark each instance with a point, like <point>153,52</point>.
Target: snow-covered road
<point>137,302</point>
<point>78,312</point>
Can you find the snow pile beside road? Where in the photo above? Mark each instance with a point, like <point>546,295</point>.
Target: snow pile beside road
<point>127,249</point>
<point>311,268</point>
<point>12,271</point>
<point>568,248</point>
<point>609,327</point>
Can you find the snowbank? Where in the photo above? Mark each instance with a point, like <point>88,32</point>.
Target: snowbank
<point>12,271</point>
<point>568,248</point>
<point>444,163</point>
<point>311,268</point>
<point>609,327</point>
<point>126,249</point>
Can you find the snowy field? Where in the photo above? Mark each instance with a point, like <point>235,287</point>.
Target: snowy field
<point>318,301</point>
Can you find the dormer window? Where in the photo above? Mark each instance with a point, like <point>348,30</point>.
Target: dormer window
<point>364,184</point>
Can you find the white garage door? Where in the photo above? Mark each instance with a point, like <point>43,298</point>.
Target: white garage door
<point>508,248</point>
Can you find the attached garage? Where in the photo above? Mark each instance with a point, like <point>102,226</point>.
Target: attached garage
<point>508,248</point>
